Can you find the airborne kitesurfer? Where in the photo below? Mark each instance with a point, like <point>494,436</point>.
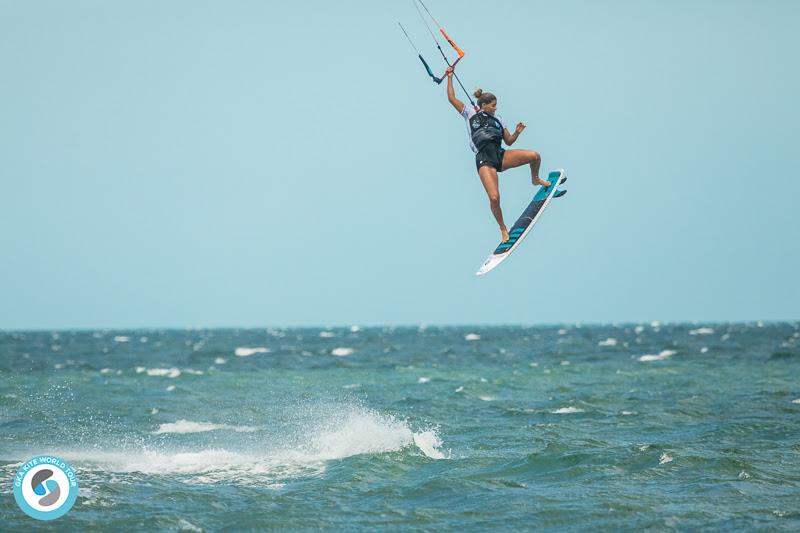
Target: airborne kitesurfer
<point>487,130</point>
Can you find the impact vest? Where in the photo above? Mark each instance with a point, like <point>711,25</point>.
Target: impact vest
<point>485,129</point>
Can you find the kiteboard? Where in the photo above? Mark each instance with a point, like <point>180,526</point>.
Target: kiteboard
<point>526,221</point>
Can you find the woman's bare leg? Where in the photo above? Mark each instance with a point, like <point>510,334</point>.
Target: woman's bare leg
<point>488,177</point>
<point>517,158</point>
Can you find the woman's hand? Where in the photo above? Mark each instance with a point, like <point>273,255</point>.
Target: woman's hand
<point>520,127</point>
<point>449,72</point>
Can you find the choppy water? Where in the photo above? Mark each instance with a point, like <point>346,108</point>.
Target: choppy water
<point>635,427</point>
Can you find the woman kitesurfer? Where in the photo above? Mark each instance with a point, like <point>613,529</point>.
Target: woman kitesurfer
<point>487,130</point>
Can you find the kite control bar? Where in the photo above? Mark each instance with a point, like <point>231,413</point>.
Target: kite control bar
<point>459,51</point>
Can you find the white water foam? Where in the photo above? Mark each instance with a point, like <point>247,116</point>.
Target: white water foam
<point>339,433</point>
<point>166,372</point>
<point>664,354</point>
<point>472,337</point>
<point>342,352</point>
<point>702,331</point>
<point>610,341</point>
<point>187,426</point>
<point>566,410</point>
<point>244,351</point>
<point>429,442</point>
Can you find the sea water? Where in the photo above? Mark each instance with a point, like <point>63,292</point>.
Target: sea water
<point>565,428</point>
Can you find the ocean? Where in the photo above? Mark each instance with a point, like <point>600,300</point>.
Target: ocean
<point>630,427</point>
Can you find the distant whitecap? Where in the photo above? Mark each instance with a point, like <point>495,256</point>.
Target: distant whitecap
<point>342,352</point>
<point>664,354</point>
<point>166,372</point>
<point>566,410</point>
<point>326,334</point>
<point>243,351</point>
<point>472,337</point>
<point>121,338</point>
<point>610,341</point>
<point>423,380</point>
<point>187,426</point>
<point>702,331</point>
<point>664,459</point>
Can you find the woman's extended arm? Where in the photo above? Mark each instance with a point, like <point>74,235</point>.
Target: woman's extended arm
<point>451,93</point>
<point>511,138</point>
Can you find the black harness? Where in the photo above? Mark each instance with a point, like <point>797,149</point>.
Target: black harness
<point>485,130</point>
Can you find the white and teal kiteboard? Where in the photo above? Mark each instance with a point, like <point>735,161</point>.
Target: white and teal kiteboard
<point>526,221</point>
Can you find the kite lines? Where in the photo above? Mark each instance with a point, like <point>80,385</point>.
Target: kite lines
<point>459,51</point>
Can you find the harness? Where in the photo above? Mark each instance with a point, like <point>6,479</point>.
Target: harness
<point>485,129</point>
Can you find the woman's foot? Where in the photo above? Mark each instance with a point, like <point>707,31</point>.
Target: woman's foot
<point>540,181</point>
<point>503,234</point>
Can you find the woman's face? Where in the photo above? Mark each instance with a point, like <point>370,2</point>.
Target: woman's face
<point>490,108</point>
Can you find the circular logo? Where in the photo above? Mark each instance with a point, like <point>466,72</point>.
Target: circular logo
<point>45,487</point>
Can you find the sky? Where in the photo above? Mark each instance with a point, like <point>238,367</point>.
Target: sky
<point>256,163</point>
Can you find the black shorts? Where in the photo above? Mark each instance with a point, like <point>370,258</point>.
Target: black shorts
<point>490,155</point>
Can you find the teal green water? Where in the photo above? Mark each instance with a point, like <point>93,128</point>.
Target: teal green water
<point>610,428</point>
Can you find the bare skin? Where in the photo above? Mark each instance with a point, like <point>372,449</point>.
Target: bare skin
<point>511,158</point>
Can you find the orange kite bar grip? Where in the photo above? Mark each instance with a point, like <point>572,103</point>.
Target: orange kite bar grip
<point>449,40</point>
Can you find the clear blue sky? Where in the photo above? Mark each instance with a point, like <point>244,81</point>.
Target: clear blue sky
<point>254,163</point>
